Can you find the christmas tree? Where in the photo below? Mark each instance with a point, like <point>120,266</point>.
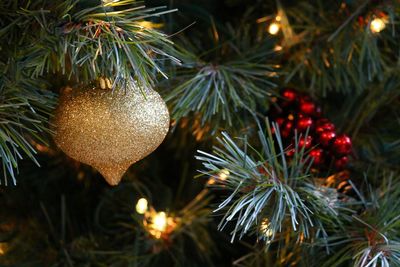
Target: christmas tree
<point>200,133</point>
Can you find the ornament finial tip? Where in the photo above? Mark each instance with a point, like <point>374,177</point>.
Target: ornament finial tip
<point>112,174</point>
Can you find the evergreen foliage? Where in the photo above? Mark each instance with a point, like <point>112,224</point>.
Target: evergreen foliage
<point>231,194</point>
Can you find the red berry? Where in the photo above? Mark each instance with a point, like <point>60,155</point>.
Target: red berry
<point>318,156</point>
<point>326,137</point>
<point>304,123</point>
<point>286,128</point>
<point>290,152</point>
<point>306,142</point>
<point>341,163</point>
<point>322,125</point>
<point>289,94</point>
<point>307,106</point>
<point>280,121</point>
<point>342,145</point>
<point>287,125</point>
<point>264,169</point>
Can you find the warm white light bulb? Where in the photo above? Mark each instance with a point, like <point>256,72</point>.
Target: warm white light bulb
<point>377,25</point>
<point>274,28</point>
<point>265,228</point>
<point>223,174</point>
<point>3,248</point>
<point>160,221</point>
<point>141,206</point>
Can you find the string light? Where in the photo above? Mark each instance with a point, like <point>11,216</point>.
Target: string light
<point>142,206</point>
<point>160,221</point>
<point>223,174</point>
<point>157,224</point>
<point>266,229</point>
<point>274,28</point>
<point>3,248</point>
<point>275,25</point>
<point>377,25</point>
<point>211,181</point>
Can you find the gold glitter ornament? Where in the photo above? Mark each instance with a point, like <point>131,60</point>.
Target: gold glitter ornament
<point>110,129</point>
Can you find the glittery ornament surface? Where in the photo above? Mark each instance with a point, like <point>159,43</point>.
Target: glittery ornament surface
<point>110,130</point>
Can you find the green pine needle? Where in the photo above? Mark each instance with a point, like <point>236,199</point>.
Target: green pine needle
<point>24,112</point>
<point>372,237</point>
<point>267,188</point>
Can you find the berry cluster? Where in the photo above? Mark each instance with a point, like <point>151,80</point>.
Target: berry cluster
<point>296,111</point>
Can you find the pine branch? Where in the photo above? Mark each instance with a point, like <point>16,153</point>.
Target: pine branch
<point>372,119</point>
<point>324,57</point>
<point>268,192</point>
<point>225,82</point>
<point>85,43</point>
<point>372,237</point>
<point>24,109</point>
<point>219,91</point>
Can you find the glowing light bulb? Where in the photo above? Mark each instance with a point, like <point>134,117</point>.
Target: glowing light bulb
<point>377,25</point>
<point>265,228</point>
<point>3,248</point>
<point>274,28</point>
<point>211,181</point>
<point>160,221</point>
<point>141,206</point>
<point>223,174</point>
